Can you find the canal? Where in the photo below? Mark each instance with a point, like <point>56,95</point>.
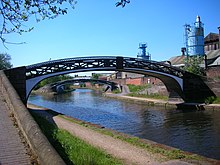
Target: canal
<point>193,131</point>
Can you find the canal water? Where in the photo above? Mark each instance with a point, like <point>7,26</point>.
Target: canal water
<point>193,131</point>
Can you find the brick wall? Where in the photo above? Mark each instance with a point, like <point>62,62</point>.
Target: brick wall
<point>139,81</point>
<point>134,81</point>
<point>213,72</point>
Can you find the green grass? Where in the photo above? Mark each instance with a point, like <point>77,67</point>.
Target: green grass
<point>137,88</point>
<point>116,91</point>
<point>212,100</point>
<point>153,96</point>
<point>217,101</point>
<point>72,149</point>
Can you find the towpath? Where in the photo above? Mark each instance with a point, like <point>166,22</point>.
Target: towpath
<point>12,148</point>
<point>126,152</point>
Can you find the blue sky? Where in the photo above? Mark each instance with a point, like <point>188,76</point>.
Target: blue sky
<point>99,28</point>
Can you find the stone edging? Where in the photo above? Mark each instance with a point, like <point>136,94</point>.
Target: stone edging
<point>36,139</point>
<point>166,104</point>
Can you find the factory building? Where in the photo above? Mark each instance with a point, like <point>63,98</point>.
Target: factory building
<point>212,41</point>
<point>198,45</point>
<point>195,45</point>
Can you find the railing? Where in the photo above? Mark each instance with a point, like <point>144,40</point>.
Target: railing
<point>112,62</point>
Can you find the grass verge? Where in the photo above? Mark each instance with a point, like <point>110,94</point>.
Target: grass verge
<point>217,100</point>
<point>153,96</point>
<point>72,149</point>
<point>136,89</point>
<point>167,154</point>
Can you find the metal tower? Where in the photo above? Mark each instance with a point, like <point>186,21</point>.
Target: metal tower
<point>195,38</point>
<point>143,54</point>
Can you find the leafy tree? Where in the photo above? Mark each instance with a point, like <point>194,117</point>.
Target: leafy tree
<point>96,76</point>
<point>53,80</point>
<point>14,13</point>
<point>5,61</point>
<point>193,65</point>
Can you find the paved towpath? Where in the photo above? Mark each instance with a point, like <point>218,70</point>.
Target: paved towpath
<point>126,152</point>
<point>12,150</point>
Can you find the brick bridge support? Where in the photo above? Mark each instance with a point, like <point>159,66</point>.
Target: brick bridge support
<point>195,88</point>
<point>17,77</point>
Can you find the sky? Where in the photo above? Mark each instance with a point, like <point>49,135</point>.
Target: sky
<point>98,28</point>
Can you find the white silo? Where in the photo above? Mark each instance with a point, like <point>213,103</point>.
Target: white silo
<point>195,38</point>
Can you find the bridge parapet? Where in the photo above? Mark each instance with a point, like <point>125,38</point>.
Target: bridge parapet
<point>99,63</point>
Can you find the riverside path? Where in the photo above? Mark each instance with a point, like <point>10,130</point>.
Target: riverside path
<point>12,150</point>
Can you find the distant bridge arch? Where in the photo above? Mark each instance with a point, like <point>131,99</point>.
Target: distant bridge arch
<point>111,85</point>
<point>175,79</point>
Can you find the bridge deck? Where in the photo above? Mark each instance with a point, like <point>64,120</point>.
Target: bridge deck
<point>12,150</point>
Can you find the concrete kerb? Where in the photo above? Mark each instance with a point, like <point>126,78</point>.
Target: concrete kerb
<point>35,138</point>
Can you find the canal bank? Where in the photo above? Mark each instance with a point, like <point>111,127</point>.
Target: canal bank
<point>164,103</point>
<point>188,130</point>
<point>116,144</point>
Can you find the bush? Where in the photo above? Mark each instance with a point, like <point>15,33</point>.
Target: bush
<point>138,88</point>
<point>209,100</point>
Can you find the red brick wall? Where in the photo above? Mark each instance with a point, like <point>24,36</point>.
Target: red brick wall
<point>139,81</point>
<point>134,81</point>
<point>213,72</point>
<point>88,84</point>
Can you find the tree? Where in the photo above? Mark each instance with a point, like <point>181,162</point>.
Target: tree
<point>14,13</point>
<point>96,76</point>
<point>193,65</point>
<point>53,80</point>
<point>5,61</point>
<point>122,3</point>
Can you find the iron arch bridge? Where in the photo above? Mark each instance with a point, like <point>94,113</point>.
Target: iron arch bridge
<point>176,80</point>
<point>111,85</point>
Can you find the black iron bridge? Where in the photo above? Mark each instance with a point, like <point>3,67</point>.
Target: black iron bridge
<point>188,86</point>
<point>110,85</point>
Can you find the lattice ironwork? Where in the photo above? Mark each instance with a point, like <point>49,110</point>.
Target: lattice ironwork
<point>83,80</point>
<point>92,63</point>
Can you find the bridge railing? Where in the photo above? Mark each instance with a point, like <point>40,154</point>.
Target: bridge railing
<point>114,62</point>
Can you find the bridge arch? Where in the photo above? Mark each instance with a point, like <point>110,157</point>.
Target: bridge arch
<point>170,76</point>
<point>111,85</point>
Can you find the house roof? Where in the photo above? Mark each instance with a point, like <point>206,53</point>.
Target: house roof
<point>213,54</point>
<point>177,60</point>
<point>213,57</point>
<point>212,37</point>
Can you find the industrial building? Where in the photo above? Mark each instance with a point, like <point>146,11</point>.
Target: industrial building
<point>197,44</point>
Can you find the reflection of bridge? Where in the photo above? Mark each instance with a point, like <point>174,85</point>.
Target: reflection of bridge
<point>186,85</point>
<point>111,85</point>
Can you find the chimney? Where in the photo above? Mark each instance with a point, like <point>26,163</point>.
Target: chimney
<point>183,50</point>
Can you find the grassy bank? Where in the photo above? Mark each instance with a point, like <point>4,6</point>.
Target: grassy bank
<point>136,91</point>
<point>164,152</point>
<point>152,96</point>
<point>217,100</point>
<point>64,146</point>
<point>72,149</point>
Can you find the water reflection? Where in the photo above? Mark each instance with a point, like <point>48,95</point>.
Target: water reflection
<point>194,131</point>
